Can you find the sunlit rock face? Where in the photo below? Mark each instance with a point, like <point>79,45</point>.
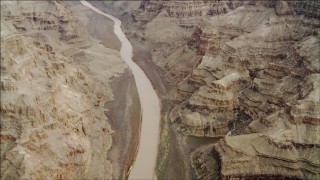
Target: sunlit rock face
<point>52,116</point>
<point>247,71</point>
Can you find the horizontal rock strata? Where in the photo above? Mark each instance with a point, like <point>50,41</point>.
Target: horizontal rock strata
<point>246,71</point>
<point>54,82</point>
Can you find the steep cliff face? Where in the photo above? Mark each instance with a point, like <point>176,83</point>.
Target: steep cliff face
<point>246,71</point>
<point>54,83</point>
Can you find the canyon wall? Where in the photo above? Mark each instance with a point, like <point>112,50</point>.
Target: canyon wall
<point>246,72</point>
<point>55,81</point>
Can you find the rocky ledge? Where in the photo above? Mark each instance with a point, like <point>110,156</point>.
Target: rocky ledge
<point>55,80</point>
<point>244,71</point>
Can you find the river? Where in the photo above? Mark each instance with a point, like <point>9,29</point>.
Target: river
<point>144,165</point>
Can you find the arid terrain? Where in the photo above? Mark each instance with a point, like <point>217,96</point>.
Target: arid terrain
<point>61,108</point>
<point>239,84</point>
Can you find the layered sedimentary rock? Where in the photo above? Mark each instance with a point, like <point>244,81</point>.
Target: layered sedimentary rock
<point>268,114</point>
<point>54,83</point>
<point>245,70</point>
<point>210,110</point>
<point>259,156</point>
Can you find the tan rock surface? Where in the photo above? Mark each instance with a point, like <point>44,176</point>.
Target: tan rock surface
<point>54,82</point>
<point>270,114</point>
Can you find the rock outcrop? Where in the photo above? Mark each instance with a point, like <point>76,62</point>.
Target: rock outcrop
<point>246,71</point>
<point>210,110</point>
<point>54,83</point>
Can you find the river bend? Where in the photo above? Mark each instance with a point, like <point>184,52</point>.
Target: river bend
<point>144,165</point>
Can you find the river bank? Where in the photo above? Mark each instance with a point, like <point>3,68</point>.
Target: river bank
<point>141,52</point>
<point>218,58</point>
<point>143,167</point>
<point>125,116</point>
<point>125,111</point>
<point>175,149</point>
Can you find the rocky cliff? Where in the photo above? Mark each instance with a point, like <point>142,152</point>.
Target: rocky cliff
<point>246,72</point>
<point>55,80</point>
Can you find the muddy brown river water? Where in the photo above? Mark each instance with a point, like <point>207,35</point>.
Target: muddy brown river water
<point>143,167</point>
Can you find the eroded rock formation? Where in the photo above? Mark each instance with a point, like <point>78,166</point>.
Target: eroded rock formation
<point>54,83</point>
<point>247,71</point>
<point>210,110</point>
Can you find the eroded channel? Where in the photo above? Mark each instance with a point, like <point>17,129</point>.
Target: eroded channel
<point>143,167</point>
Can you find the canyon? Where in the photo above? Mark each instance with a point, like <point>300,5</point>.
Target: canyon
<point>58,83</point>
<point>147,152</point>
<point>238,83</point>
